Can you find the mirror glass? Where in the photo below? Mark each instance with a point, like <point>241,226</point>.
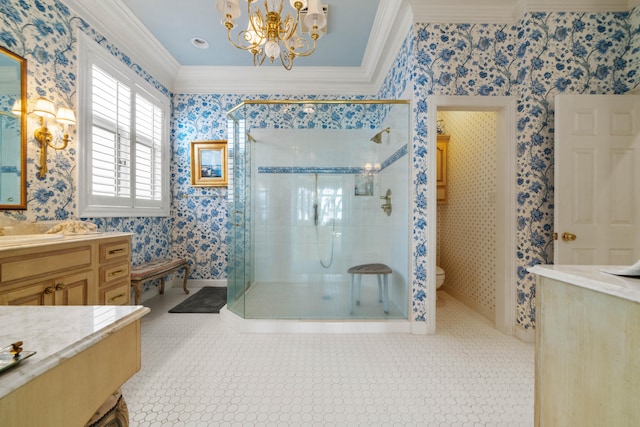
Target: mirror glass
<point>13,138</point>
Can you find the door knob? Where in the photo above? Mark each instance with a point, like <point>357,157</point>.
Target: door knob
<point>567,237</point>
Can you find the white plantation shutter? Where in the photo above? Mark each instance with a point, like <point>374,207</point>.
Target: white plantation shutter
<point>110,137</point>
<point>123,166</point>
<point>148,149</point>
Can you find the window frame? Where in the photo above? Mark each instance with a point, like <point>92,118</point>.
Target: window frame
<point>89,205</point>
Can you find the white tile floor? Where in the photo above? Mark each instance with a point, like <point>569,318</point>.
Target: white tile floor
<point>198,371</point>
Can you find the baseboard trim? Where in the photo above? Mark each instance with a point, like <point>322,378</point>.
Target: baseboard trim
<point>177,283</point>
<point>525,335</point>
<point>200,283</point>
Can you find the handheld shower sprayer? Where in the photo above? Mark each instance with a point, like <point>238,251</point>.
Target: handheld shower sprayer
<point>315,203</point>
<point>377,138</point>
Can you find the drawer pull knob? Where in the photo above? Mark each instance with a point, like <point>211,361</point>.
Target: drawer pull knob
<point>60,287</point>
<point>116,251</point>
<point>116,297</point>
<point>115,273</point>
<point>49,290</point>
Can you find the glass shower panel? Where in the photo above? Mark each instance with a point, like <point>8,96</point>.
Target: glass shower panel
<point>239,244</point>
<point>305,207</point>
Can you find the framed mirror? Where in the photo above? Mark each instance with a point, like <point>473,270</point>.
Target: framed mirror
<point>13,130</point>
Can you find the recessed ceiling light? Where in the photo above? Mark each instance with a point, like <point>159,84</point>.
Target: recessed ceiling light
<point>199,42</point>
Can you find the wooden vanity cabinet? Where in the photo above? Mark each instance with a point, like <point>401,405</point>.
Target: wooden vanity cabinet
<point>115,266</point>
<point>89,271</point>
<point>66,290</point>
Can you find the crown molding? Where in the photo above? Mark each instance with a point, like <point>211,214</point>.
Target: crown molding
<point>391,25</point>
<point>578,5</point>
<point>273,80</point>
<point>121,27</point>
<point>464,11</point>
<point>506,11</point>
<point>393,22</point>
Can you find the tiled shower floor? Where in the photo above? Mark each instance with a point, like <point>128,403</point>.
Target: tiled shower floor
<point>198,371</point>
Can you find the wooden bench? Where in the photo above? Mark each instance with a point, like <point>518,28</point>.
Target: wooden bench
<point>157,269</point>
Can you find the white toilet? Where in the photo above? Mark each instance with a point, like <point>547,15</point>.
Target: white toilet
<point>439,277</point>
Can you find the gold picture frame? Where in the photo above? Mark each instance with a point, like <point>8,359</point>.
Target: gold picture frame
<point>209,164</point>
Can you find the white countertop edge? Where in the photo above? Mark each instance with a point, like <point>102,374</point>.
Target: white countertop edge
<point>591,277</point>
<point>31,368</point>
<point>66,238</point>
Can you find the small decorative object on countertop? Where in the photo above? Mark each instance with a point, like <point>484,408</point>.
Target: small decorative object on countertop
<point>12,354</point>
<point>73,227</point>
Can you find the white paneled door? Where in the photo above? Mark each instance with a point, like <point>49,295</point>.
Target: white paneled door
<point>597,179</point>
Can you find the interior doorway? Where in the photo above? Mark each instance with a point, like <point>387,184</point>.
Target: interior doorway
<point>504,199</point>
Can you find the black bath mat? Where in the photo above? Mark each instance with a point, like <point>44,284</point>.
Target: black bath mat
<point>206,300</point>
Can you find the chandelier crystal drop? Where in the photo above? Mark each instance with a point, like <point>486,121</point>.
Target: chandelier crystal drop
<point>271,34</point>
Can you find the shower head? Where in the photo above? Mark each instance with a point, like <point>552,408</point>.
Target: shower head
<point>377,138</point>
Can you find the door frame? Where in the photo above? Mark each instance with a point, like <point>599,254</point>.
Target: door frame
<point>505,109</point>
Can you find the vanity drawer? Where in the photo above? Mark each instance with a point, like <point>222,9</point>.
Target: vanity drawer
<point>45,263</point>
<point>111,273</point>
<point>111,251</point>
<point>118,294</point>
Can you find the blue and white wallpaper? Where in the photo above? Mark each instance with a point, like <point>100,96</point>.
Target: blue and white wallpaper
<point>542,55</point>
<point>45,33</point>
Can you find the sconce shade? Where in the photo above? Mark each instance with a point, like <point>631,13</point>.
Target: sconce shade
<point>228,7</point>
<point>66,116</point>
<point>17,107</point>
<point>44,108</point>
<point>315,16</point>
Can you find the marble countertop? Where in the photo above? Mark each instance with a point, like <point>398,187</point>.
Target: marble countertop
<point>56,333</point>
<point>591,277</point>
<point>33,240</point>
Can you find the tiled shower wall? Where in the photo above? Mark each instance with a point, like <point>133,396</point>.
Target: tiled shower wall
<point>467,222</point>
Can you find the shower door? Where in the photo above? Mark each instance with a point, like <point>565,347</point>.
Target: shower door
<point>240,253</point>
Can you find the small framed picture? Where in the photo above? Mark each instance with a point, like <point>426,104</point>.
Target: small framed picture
<point>209,164</point>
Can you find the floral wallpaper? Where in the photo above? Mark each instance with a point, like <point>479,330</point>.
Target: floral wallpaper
<point>544,54</point>
<point>45,33</point>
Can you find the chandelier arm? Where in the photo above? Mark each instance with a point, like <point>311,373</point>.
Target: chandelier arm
<point>289,27</point>
<point>257,22</point>
<point>239,45</point>
<point>258,57</point>
<point>286,59</point>
<point>308,49</point>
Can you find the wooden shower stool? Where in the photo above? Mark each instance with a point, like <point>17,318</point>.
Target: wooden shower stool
<point>379,270</point>
<point>157,269</point>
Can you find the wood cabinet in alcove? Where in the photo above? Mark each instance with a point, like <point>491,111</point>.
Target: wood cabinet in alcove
<point>441,168</point>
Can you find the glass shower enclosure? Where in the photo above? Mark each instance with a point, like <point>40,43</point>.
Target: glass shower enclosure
<point>316,188</point>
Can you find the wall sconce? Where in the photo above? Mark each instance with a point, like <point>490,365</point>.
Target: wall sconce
<point>46,110</point>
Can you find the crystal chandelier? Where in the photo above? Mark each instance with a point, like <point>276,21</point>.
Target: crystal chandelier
<point>269,34</point>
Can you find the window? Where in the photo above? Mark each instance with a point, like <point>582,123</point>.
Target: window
<point>123,149</point>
